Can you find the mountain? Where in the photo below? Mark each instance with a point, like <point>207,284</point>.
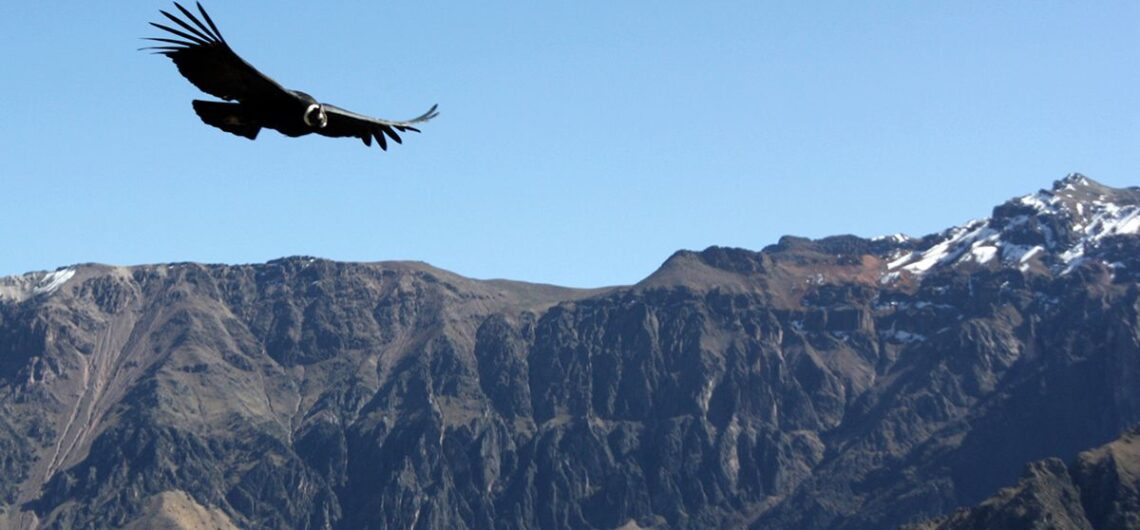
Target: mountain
<point>835,383</point>
<point>1099,490</point>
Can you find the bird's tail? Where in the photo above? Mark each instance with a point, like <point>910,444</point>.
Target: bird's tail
<point>229,117</point>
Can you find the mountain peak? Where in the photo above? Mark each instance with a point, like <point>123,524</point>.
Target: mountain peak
<point>1076,193</point>
<point>1075,180</point>
<point>1052,230</point>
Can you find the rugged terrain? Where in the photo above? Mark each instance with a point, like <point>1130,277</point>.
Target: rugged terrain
<point>1099,490</point>
<point>835,383</point>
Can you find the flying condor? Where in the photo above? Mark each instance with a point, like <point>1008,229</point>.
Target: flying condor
<point>254,100</point>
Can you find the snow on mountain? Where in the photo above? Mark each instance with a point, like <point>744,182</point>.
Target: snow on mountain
<point>52,281</point>
<point>22,287</point>
<point>1052,230</point>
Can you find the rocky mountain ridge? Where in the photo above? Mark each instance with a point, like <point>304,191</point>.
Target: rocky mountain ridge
<point>1100,489</point>
<point>835,383</point>
<point>1052,229</point>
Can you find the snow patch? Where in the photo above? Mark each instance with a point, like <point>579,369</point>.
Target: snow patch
<point>1019,253</point>
<point>893,238</point>
<point>958,241</point>
<point>1067,222</point>
<point>20,288</point>
<point>983,254</point>
<point>1040,201</point>
<point>901,336</point>
<point>889,278</point>
<point>52,281</point>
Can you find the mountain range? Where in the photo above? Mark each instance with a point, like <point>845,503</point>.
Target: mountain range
<point>987,376</point>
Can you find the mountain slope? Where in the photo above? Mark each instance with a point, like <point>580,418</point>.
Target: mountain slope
<point>836,383</point>
<point>1100,490</point>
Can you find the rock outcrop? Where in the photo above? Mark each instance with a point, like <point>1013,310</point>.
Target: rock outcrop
<point>1100,490</point>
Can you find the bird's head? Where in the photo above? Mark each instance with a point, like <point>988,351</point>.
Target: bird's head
<point>315,116</point>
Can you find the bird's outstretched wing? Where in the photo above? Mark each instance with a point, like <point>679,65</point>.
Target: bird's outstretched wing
<point>204,58</point>
<point>344,123</point>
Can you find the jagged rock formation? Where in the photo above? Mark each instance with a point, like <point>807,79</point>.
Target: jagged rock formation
<point>838,383</point>
<point>1099,491</point>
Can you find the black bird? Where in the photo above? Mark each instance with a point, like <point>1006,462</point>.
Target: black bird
<point>206,60</point>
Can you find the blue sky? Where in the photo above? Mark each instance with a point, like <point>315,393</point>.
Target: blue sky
<point>579,143</point>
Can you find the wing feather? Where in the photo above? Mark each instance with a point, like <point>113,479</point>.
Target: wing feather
<point>209,21</point>
<point>205,59</point>
<point>197,32</point>
<point>209,31</point>
<point>192,38</point>
<point>345,123</point>
<point>395,136</point>
<point>160,39</point>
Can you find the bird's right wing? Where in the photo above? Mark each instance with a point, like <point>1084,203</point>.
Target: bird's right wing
<point>204,58</point>
<point>345,123</point>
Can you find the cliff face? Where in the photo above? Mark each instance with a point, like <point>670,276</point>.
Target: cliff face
<point>838,383</point>
<point>1099,490</point>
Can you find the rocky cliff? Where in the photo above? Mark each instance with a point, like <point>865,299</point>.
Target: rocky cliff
<point>1100,490</point>
<point>834,383</point>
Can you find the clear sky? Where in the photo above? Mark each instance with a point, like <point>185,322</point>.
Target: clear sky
<point>579,143</point>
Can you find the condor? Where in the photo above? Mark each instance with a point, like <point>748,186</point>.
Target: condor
<point>253,100</point>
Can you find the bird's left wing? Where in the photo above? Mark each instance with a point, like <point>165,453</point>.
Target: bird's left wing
<point>206,60</point>
<point>344,123</point>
